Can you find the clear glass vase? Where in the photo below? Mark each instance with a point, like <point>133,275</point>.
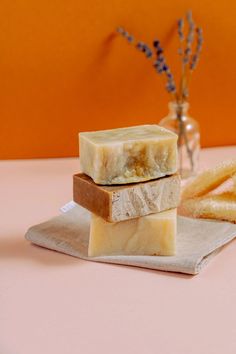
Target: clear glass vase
<point>188,133</point>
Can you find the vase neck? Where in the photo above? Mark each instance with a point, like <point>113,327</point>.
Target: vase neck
<point>178,108</point>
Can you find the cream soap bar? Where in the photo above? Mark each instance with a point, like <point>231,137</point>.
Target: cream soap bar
<point>151,235</point>
<point>122,202</point>
<point>128,155</point>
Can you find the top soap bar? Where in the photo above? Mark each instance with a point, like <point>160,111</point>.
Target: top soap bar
<point>128,155</point>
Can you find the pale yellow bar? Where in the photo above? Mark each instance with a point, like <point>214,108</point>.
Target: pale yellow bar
<point>153,234</point>
<point>128,155</point>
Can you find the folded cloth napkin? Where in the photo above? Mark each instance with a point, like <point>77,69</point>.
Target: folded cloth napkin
<point>197,241</point>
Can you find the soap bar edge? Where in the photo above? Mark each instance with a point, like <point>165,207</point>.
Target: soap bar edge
<point>113,210</point>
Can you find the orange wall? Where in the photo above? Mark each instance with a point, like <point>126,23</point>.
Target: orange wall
<point>62,71</point>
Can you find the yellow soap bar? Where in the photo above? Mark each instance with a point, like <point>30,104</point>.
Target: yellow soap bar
<point>128,155</point>
<point>154,234</point>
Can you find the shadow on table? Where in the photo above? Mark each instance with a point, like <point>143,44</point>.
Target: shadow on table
<point>17,247</point>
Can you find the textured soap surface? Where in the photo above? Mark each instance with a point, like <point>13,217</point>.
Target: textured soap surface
<point>220,206</point>
<point>209,179</point>
<point>123,202</point>
<point>153,234</point>
<point>128,155</point>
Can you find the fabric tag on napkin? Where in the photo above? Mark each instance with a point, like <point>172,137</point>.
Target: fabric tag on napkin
<point>197,241</point>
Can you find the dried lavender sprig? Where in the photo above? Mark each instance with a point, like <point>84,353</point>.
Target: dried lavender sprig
<point>160,62</point>
<point>161,67</point>
<point>125,34</point>
<point>180,24</point>
<point>189,38</point>
<point>143,47</point>
<point>195,57</point>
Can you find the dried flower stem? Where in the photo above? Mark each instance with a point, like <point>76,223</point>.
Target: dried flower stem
<point>189,62</point>
<point>159,64</point>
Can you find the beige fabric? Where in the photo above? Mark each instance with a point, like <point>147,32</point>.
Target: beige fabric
<point>197,241</point>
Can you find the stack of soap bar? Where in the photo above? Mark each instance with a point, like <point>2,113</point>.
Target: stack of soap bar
<point>130,185</point>
<point>128,155</point>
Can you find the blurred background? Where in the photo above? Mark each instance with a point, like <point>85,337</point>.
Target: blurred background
<point>63,69</point>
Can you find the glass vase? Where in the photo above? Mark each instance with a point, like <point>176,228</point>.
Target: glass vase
<point>188,133</point>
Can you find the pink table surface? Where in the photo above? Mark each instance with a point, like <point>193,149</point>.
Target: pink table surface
<point>53,303</point>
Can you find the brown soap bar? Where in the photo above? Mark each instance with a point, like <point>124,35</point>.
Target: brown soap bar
<point>122,202</point>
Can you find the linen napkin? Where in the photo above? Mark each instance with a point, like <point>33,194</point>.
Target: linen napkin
<point>197,241</point>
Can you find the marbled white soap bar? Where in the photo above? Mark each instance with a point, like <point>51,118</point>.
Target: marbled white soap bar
<point>151,235</point>
<point>123,202</point>
<point>128,155</point>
